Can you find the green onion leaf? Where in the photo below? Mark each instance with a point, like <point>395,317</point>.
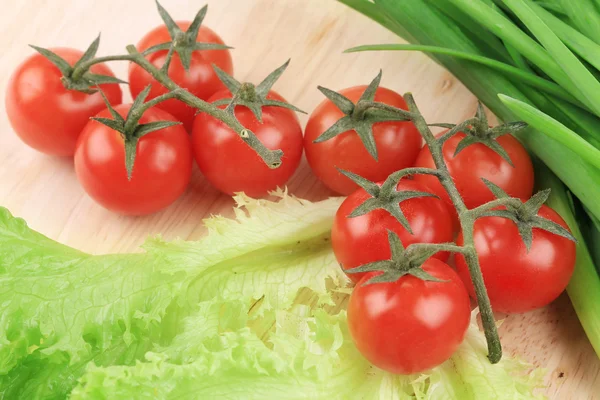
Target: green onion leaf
<point>554,129</point>
<point>526,77</point>
<point>510,33</point>
<point>585,82</point>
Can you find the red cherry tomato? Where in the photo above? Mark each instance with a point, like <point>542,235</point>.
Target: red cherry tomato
<point>517,280</point>
<point>201,80</point>
<point>230,165</point>
<point>410,325</point>
<point>46,115</point>
<point>478,161</point>
<point>398,144</point>
<point>361,240</point>
<point>162,170</point>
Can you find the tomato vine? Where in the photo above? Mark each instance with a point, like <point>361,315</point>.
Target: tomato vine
<point>78,78</point>
<point>387,198</point>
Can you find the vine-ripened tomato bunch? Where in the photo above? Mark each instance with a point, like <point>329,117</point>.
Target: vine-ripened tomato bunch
<point>137,158</point>
<point>465,192</point>
<point>410,208</point>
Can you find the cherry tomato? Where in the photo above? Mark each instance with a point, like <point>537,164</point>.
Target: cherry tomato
<point>46,115</point>
<point>230,165</point>
<point>161,173</point>
<point>517,280</point>
<point>201,80</point>
<point>478,161</point>
<point>410,325</point>
<point>398,144</point>
<point>361,240</point>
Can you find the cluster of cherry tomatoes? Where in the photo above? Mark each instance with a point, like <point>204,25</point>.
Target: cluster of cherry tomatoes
<point>411,325</point>
<point>405,326</point>
<point>56,121</point>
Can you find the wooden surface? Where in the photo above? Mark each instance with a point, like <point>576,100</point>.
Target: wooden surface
<point>45,191</point>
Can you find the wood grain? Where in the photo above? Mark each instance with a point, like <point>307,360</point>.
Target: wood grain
<point>45,192</point>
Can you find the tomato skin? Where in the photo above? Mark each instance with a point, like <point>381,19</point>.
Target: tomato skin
<point>201,79</point>
<point>398,144</point>
<point>230,165</point>
<point>46,115</point>
<point>361,240</point>
<point>518,281</point>
<point>410,325</point>
<point>162,170</point>
<point>476,162</point>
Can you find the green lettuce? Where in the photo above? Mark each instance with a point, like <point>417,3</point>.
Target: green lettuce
<point>214,319</point>
<point>308,356</point>
<point>61,309</point>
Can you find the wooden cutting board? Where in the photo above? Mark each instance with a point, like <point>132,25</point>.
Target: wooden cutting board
<point>45,191</point>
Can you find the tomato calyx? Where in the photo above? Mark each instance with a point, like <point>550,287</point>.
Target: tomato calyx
<point>183,43</point>
<point>251,96</point>
<point>386,196</point>
<point>75,77</point>
<point>272,158</point>
<point>403,261</point>
<point>130,128</point>
<point>523,214</point>
<point>477,130</point>
<point>361,117</point>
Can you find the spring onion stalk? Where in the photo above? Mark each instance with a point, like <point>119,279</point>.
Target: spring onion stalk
<point>584,287</point>
<point>554,129</point>
<point>580,44</point>
<point>514,72</point>
<point>537,61</point>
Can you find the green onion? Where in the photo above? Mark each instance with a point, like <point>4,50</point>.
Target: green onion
<point>584,287</point>
<point>578,74</point>
<point>578,42</point>
<point>527,46</point>
<point>584,15</point>
<point>554,129</point>
<point>523,76</point>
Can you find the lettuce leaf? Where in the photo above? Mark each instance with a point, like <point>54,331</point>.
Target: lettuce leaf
<point>269,251</point>
<point>308,356</point>
<point>61,309</point>
<point>212,319</point>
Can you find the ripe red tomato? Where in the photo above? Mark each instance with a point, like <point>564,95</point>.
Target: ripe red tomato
<point>361,240</point>
<point>410,325</point>
<point>46,115</point>
<point>230,165</point>
<point>162,170</point>
<point>201,80</point>
<point>478,161</point>
<point>398,144</point>
<point>517,280</point>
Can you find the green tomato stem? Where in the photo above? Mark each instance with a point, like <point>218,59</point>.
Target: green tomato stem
<point>84,67</point>
<point>137,114</point>
<point>449,247</point>
<point>478,212</point>
<point>467,223</point>
<point>271,157</point>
